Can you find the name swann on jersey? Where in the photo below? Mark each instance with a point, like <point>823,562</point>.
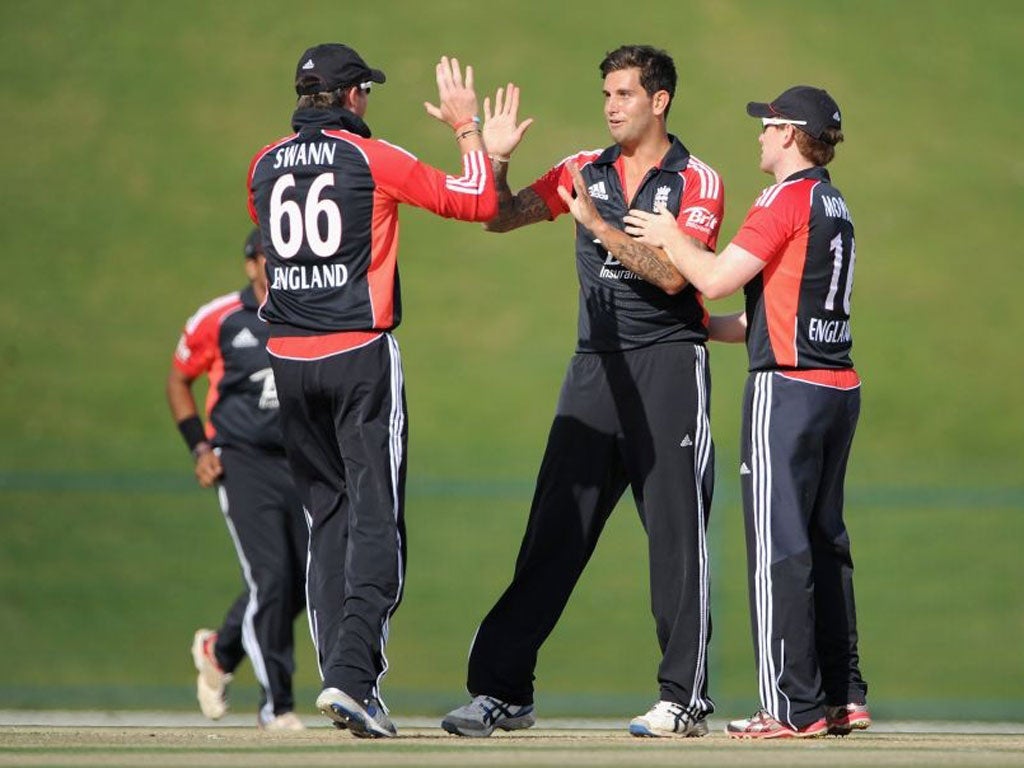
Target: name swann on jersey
<point>321,153</point>
<point>835,207</point>
<point>304,278</point>
<point>829,331</point>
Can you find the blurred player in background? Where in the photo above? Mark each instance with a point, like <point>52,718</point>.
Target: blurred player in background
<point>326,199</point>
<point>794,258</point>
<point>634,410</point>
<point>241,453</point>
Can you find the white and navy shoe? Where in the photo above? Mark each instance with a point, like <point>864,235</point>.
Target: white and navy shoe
<point>667,718</point>
<point>484,714</point>
<point>366,721</point>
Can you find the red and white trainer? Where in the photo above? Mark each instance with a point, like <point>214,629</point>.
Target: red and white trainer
<point>764,726</point>
<point>847,717</point>
<point>212,681</point>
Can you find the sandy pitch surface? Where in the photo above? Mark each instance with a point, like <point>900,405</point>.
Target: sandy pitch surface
<point>196,747</point>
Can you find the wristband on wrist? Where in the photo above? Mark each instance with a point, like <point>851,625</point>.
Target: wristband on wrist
<point>192,431</point>
<point>500,158</point>
<point>468,132</point>
<point>466,121</point>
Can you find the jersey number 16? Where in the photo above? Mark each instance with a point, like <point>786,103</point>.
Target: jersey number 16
<point>836,249</point>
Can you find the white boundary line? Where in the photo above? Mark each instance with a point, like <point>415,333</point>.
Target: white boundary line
<point>145,719</point>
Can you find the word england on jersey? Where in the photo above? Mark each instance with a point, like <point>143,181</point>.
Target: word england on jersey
<point>300,277</point>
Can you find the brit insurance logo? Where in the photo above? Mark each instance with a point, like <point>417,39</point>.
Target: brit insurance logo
<point>701,219</point>
<point>612,269</point>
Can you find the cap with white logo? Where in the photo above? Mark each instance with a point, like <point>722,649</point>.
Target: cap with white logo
<point>328,66</point>
<point>810,109</point>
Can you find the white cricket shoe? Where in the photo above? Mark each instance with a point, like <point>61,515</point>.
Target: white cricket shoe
<point>484,714</point>
<point>212,681</point>
<point>667,718</point>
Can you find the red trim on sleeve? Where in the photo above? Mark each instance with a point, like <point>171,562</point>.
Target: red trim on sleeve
<point>199,352</point>
<point>252,169</point>
<point>558,176</point>
<point>383,259</point>
<point>776,231</point>
<point>702,206</point>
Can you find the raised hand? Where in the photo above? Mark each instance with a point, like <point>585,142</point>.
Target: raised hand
<point>657,229</point>
<point>502,133</point>
<point>458,102</point>
<point>582,206</point>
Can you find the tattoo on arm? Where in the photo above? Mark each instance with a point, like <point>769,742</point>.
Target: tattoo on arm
<point>525,207</point>
<point>652,264</point>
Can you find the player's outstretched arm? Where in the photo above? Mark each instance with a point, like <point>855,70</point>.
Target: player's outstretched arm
<point>714,276</point>
<point>502,133</point>
<point>649,262</point>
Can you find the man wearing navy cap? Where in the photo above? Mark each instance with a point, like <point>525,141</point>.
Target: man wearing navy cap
<point>326,200</point>
<point>794,258</point>
<point>239,450</point>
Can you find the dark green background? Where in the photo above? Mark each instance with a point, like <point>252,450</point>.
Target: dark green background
<point>127,129</point>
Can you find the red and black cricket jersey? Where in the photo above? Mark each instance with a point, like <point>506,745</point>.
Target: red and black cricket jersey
<point>226,340</point>
<point>798,306</point>
<point>326,201</point>
<point>618,310</point>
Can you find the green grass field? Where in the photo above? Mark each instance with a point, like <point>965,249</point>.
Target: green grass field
<point>128,130</point>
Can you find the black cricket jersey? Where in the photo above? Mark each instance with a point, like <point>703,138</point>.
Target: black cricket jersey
<point>619,310</point>
<point>798,306</point>
<point>226,340</point>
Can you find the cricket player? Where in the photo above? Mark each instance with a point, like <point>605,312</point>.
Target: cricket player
<point>794,257</point>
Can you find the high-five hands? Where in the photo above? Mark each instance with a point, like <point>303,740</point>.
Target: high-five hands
<point>502,133</point>
<point>458,102</point>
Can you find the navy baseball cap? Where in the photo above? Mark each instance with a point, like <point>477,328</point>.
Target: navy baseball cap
<point>253,244</point>
<point>810,109</point>
<point>328,66</point>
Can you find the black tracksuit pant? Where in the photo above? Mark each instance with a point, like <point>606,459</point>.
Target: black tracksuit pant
<point>794,448</point>
<point>637,419</point>
<point>264,517</point>
<point>344,422</point>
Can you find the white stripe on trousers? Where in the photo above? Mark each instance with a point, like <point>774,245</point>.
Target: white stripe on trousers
<point>249,640</point>
<point>701,457</point>
<point>311,617</point>
<point>768,673</point>
<point>396,425</point>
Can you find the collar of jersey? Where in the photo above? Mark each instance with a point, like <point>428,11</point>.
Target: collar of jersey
<point>675,160</point>
<point>817,172</point>
<point>335,117</point>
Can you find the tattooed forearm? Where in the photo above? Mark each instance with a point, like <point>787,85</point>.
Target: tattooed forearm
<point>651,264</point>
<point>514,211</point>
